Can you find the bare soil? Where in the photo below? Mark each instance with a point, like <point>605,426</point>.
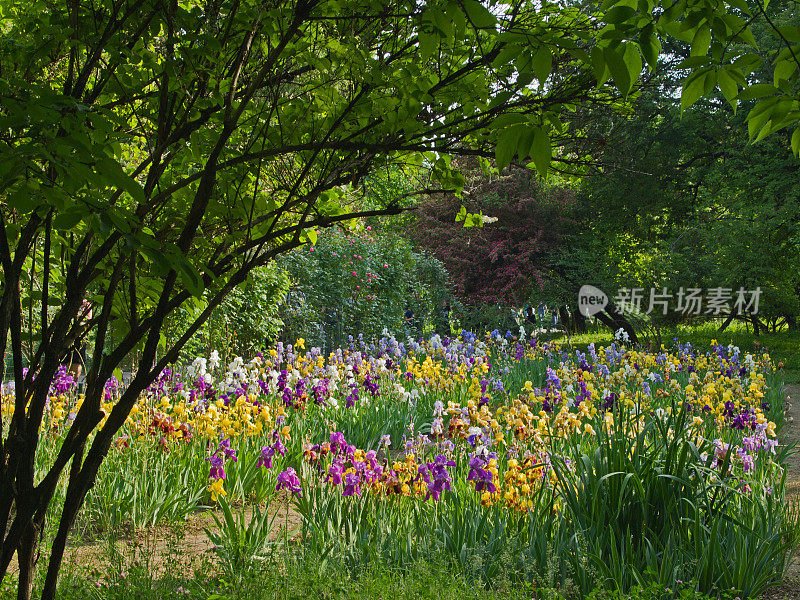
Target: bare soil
<point>180,549</point>
<point>790,588</point>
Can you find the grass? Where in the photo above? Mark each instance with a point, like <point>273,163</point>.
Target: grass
<point>119,577</point>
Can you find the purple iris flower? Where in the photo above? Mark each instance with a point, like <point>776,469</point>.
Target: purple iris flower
<point>217,468</point>
<point>225,448</point>
<point>352,485</point>
<point>288,480</point>
<point>267,452</point>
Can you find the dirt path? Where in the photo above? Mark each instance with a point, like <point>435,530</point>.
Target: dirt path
<point>791,433</point>
<point>790,589</point>
<point>181,549</point>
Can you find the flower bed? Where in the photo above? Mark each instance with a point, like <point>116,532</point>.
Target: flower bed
<point>610,467</point>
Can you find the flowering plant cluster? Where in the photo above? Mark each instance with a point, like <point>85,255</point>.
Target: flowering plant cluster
<point>485,415</point>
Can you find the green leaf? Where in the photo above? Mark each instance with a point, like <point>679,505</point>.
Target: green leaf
<point>784,69</point>
<point>747,36</point>
<point>728,87</point>
<point>190,277</point>
<point>650,46</point>
<point>796,142</point>
<point>542,63</point>
<point>741,5</point>
<point>479,14</point>
<point>792,34</point>
<point>119,218</point>
<point>507,145</point>
<point>758,117</point>
<point>541,151</point>
<point>474,220</point>
<point>701,41</point>
<point>599,66</point>
<point>633,60</point>
<point>693,89</point>
<point>22,199</point>
<point>428,44</point>
<point>748,62</point>
<point>157,257</point>
<point>618,14</point>
<point>693,62</point>
<point>110,169</point>
<point>69,218</point>
<point>619,69</point>
<point>757,90</point>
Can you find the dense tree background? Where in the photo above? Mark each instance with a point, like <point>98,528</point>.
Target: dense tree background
<point>675,196</point>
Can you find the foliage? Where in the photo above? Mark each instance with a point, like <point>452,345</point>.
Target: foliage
<point>241,545</point>
<point>679,199</point>
<point>368,279</point>
<point>246,321</point>
<point>506,260</point>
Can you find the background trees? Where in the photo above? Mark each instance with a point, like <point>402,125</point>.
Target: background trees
<point>509,258</point>
<point>362,282</point>
<point>674,196</point>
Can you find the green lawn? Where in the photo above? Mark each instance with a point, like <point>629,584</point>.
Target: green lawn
<point>288,579</point>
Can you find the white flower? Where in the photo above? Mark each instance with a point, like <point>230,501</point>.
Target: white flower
<point>213,359</point>
<point>198,367</point>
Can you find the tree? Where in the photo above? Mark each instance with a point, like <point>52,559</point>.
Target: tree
<point>685,200</point>
<point>360,282</point>
<point>246,321</point>
<point>506,261</point>
<point>159,150</point>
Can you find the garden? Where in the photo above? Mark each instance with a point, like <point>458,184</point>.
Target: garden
<point>514,461</point>
<point>368,299</point>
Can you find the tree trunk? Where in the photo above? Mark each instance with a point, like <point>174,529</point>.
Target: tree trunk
<point>581,325</point>
<point>727,322</point>
<point>616,321</point>
<point>27,551</point>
